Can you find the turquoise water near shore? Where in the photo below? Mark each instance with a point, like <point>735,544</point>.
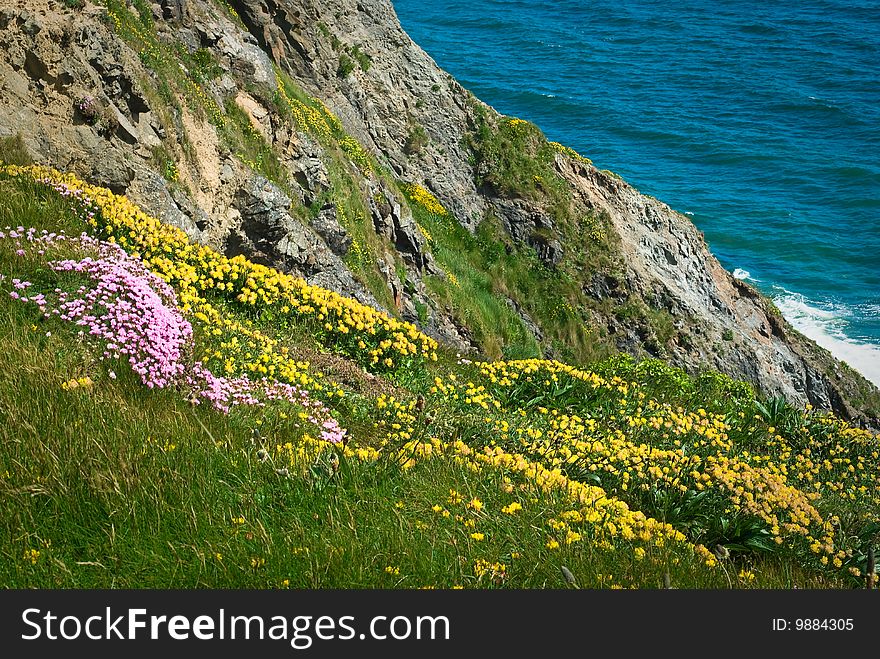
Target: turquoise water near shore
<point>759,120</point>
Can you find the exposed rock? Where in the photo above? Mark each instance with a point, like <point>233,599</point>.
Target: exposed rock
<point>529,224</point>
<point>247,59</point>
<point>442,327</point>
<point>124,129</point>
<point>150,132</point>
<point>396,223</point>
<point>334,234</point>
<point>392,280</point>
<point>602,285</point>
<point>173,10</point>
<point>111,170</point>
<point>307,168</point>
<point>150,191</point>
<point>269,234</point>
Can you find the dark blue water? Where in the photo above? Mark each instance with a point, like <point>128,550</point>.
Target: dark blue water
<point>760,120</point>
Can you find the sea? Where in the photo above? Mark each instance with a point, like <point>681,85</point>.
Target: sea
<point>758,120</point>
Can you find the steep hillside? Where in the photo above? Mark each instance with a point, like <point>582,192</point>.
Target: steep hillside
<point>172,417</point>
<point>316,137</point>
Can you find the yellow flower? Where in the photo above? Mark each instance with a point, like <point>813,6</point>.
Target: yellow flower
<point>746,575</point>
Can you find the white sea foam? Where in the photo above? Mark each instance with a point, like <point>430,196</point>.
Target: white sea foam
<point>827,328</point>
<point>739,273</point>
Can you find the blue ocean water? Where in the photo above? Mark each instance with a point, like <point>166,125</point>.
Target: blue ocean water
<point>760,120</point>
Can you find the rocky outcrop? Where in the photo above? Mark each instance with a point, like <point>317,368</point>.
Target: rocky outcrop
<point>327,226</point>
<point>380,104</point>
<point>51,62</point>
<point>735,330</point>
<point>530,225</point>
<point>395,222</point>
<point>267,233</point>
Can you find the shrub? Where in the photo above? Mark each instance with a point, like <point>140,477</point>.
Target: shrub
<point>346,66</point>
<point>363,60</point>
<point>171,171</point>
<point>204,66</point>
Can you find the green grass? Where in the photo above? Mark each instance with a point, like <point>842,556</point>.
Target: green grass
<point>121,487</point>
<point>250,146</point>
<point>346,66</point>
<point>488,267</point>
<point>513,158</point>
<point>109,484</point>
<point>114,485</point>
<point>352,212</point>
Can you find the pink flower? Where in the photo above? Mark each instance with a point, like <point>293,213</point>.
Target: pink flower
<point>129,313</point>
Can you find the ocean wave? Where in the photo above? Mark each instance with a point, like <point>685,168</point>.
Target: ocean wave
<point>744,275</point>
<point>827,328</point>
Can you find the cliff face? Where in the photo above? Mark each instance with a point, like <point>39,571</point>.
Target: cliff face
<point>210,114</point>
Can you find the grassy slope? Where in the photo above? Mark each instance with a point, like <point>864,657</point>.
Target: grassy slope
<point>111,484</point>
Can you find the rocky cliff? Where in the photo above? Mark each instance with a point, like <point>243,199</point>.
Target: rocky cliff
<point>318,138</point>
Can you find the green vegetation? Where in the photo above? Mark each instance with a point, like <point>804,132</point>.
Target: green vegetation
<point>361,58</point>
<point>351,58</point>
<point>346,66</point>
<point>427,470</point>
<point>180,75</point>
<point>250,146</point>
<point>454,474</point>
<point>487,268</point>
<point>202,64</point>
<point>514,159</point>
